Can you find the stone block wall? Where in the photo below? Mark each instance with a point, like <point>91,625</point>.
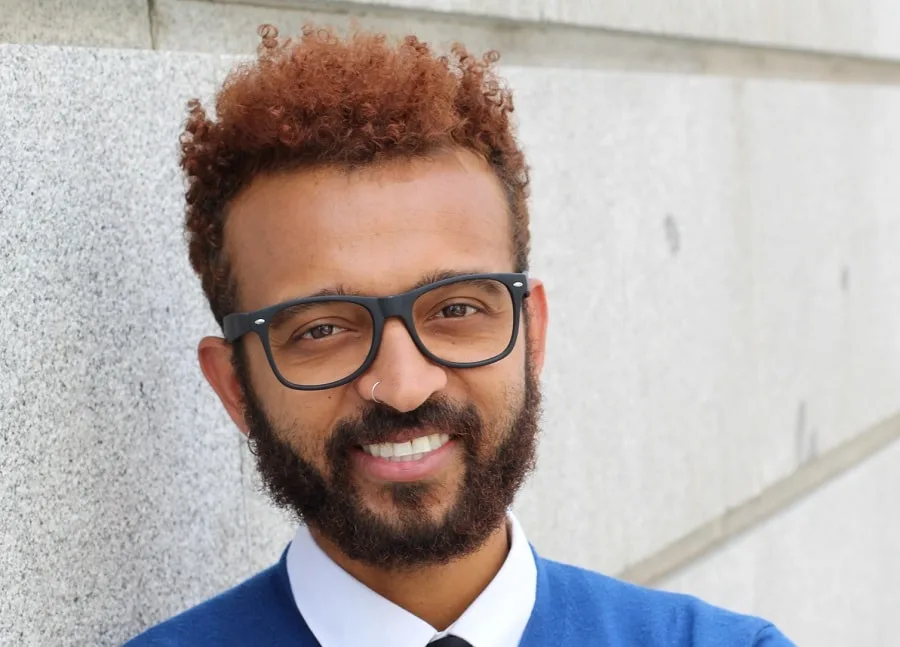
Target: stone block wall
<point>714,214</point>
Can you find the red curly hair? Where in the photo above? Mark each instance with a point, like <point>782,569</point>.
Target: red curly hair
<point>324,100</point>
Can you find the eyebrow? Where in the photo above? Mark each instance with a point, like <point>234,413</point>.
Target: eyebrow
<point>431,277</point>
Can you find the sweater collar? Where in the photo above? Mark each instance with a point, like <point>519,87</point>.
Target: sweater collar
<point>340,610</point>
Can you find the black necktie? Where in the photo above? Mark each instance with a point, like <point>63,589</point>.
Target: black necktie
<point>449,641</point>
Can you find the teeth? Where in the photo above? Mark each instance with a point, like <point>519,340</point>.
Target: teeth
<point>409,451</point>
<point>402,449</point>
<point>421,445</point>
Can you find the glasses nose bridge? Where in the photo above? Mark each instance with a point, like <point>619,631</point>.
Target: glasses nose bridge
<point>399,306</point>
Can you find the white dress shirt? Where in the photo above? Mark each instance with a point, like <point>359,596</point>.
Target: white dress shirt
<point>342,612</point>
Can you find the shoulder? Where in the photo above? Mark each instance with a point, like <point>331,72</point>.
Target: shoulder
<point>634,615</point>
<point>260,609</point>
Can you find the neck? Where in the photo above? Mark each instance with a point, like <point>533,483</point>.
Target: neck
<point>437,594</point>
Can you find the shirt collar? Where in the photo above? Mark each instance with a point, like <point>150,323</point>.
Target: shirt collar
<point>340,610</point>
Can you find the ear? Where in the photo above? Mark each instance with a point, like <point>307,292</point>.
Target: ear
<point>538,316</point>
<point>214,354</point>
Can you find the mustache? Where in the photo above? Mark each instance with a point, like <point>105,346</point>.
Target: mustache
<point>378,422</point>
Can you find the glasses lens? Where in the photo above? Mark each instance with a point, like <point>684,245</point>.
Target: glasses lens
<point>319,343</point>
<point>465,322</point>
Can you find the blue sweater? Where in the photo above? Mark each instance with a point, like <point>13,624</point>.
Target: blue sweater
<point>573,608</point>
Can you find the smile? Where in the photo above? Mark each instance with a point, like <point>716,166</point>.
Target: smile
<point>411,450</point>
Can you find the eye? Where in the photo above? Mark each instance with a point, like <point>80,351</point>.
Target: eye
<point>457,310</point>
<point>320,332</point>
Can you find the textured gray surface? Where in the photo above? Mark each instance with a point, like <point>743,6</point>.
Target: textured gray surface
<point>723,280</point>
<point>197,25</point>
<point>868,28</point>
<point>864,27</point>
<point>202,26</point>
<point>842,591</point>
<point>121,488</point>
<point>102,23</point>
<point>722,269</point>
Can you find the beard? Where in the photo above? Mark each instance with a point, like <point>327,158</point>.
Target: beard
<point>332,503</point>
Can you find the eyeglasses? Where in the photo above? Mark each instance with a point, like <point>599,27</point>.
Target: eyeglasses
<point>323,342</point>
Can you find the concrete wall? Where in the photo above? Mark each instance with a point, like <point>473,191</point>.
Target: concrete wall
<point>864,27</point>
<point>838,591</point>
<point>717,227</point>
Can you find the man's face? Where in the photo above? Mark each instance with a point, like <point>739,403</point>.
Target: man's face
<point>380,231</point>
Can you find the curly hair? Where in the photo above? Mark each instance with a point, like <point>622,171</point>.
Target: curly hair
<point>345,102</point>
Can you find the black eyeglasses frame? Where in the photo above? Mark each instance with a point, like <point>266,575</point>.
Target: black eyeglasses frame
<point>238,324</point>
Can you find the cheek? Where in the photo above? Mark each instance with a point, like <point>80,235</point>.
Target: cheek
<point>263,378</point>
<point>304,421</point>
<point>498,392</point>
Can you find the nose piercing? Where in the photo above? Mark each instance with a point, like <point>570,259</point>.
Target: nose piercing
<point>374,386</point>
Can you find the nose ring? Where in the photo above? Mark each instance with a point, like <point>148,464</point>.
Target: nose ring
<point>374,386</point>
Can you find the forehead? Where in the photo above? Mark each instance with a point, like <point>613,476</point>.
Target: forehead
<point>376,230</point>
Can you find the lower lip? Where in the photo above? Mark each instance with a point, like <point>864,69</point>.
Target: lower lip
<point>382,469</point>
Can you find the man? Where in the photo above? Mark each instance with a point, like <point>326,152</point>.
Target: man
<point>357,214</point>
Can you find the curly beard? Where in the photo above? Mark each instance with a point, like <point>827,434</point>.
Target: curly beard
<point>332,505</point>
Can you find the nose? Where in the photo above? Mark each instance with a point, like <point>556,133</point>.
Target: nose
<point>405,377</point>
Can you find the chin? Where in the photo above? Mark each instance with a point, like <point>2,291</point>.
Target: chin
<point>403,503</point>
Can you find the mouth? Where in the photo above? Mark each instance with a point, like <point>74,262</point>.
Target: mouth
<point>408,456</point>
<point>410,450</point>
